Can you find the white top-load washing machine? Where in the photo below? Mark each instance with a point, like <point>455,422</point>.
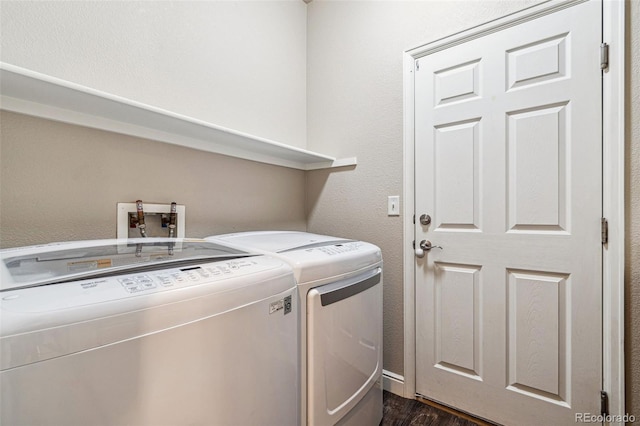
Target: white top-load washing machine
<point>147,332</point>
<point>340,288</point>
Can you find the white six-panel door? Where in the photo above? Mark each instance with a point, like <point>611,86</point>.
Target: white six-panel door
<point>509,168</point>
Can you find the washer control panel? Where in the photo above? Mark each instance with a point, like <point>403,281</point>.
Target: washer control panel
<point>137,283</point>
<point>220,274</point>
<point>183,276</point>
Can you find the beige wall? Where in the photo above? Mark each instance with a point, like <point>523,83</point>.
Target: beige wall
<point>354,76</point>
<point>355,108</point>
<point>61,182</point>
<point>237,64</point>
<point>632,201</point>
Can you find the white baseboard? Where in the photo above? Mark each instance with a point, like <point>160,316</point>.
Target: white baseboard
<point>393,383</point>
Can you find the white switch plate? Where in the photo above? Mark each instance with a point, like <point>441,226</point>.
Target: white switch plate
<point>393,205</point>
<point>123,218</point>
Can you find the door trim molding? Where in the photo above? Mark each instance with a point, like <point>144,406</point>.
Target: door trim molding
<point>613,188</point>
<point>613,173</point>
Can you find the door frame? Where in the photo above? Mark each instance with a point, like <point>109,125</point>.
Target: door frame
<point>613,189</point>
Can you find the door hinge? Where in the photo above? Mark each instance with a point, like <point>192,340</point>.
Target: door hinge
<point>604,230</point>
<point>414,219</point>
<point>604,56</point>
<point>604,403</point>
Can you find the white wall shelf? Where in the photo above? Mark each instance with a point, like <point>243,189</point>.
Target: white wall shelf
<point>32,93</point>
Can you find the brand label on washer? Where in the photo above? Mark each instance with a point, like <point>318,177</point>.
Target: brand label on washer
<point>281,304</point>
<point>85,265</point>
<point>276,306</point>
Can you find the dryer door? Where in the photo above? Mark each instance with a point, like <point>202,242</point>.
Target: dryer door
<point>344,350</point>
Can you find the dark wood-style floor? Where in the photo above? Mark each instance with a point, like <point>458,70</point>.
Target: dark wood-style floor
<point>400,411</point>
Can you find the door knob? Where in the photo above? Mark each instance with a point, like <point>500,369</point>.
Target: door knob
<point>425,219</point>
<point>423,247</point>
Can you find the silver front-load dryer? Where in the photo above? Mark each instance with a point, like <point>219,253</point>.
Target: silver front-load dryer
<point>147,332</point>
<point>340,288</point>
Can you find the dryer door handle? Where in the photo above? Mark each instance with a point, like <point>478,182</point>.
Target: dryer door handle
<point>332,293</point>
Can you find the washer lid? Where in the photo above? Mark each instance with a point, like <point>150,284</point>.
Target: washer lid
<point>280,241</point>
<point>63,262</point>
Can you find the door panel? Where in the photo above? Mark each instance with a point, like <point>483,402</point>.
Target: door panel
<point>508,165</point>
<point>537,169</point>
<point>456,175</point>
<point>456,313</point>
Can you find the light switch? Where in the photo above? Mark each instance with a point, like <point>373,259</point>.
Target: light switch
<point>393,205</point>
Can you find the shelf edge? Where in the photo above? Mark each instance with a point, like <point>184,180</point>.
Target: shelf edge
<point>24,85</point>
<point>340,162</point>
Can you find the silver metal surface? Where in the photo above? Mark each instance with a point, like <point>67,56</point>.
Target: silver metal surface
<point>424,247</point>
<point>425,219</point>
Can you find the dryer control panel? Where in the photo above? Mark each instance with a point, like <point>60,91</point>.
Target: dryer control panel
<point>334,249</point>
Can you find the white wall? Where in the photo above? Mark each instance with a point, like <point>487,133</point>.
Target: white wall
<point>237,64</point>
